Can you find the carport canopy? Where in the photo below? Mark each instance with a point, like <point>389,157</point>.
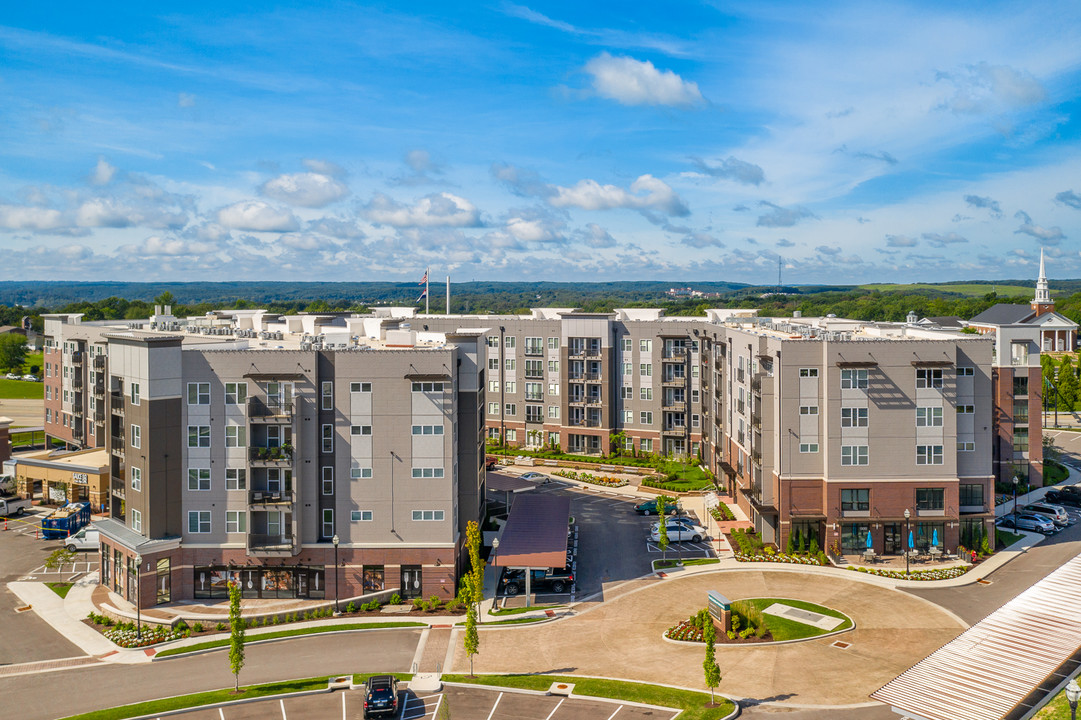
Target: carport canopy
<point>1004,664</point>
<point>535,535</point>
<point>508,483</point>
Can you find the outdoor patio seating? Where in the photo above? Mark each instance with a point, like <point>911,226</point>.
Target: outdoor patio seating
<point>869,556</point>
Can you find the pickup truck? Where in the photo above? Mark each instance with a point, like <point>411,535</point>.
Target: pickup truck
<point>13,505</point>
<point>555,580</point>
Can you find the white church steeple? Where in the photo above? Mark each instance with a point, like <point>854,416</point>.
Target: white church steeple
<point>1043,293</point>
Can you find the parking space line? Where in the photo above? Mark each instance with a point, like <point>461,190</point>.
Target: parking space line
<point>495,706</point>
<point>343,706</point>
<point>554,710</point>
<point>221,714</point>
<point>282,703</point>
<point>435,712</point>
<point>614,714</point>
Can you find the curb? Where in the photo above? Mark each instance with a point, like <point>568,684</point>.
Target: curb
<point>256,641</point>
<point>227,703</point>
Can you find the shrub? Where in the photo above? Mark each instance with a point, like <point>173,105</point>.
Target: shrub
<point>418,604</point>
<point>220,627</point>
<point>395,599</point>
<point>812,549</point>
<point>274,620</point>
<point>292,617</point>
<point>746,633</point>
<point>731,635</point>
<point>351,607</point>
<point>197,627</point>
<point>180,626</point>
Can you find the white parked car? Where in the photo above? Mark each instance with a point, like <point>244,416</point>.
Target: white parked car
<point>31,378</point>
<point>86,539</point>
<point>13,376</point>
<point>536,477</point>
<point>678,532</point>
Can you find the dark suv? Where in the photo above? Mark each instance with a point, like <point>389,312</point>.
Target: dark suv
<point>556,580</point>
<point>1060,497</point>
<point>381,697</point>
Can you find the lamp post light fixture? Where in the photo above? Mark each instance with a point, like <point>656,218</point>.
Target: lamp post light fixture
<point>904,541</point>
<point>1016,479</point>
<point>1073,694</point>
<point>335,540</point>
<point>138,610</point>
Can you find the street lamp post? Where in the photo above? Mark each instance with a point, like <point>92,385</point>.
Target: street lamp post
<point>1016,479</point>
<point>904,541</point>
<point>1073,694</point>
<point>138,609</point>
<point>335,541</point>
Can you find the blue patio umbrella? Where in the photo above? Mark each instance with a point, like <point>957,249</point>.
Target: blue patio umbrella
<point>934,538</point>
<point>870,542</point>
<point>911,540</point>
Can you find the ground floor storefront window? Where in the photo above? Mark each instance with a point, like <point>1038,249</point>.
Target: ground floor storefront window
<point>279,582</point>
<point>928,534</point>
<point>854,538</point>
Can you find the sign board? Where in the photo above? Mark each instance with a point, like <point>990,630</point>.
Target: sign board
<point>79,478</point>
<point>718,604</point>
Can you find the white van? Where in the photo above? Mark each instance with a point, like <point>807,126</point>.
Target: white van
<point>85,539</point>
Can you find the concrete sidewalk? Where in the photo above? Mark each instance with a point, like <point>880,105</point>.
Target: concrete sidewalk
<point>65,615</point>
<point>1006,508</point>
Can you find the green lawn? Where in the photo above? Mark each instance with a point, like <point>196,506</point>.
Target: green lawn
<point>21,390</point>
<point>510,621</point>
<point>701,561</point>
<point>154,707</point>
<point>224,642</point>
<point>1004,538</point>
<point>691,477</point>
<point>518,611</point>
<point>693,703</point>
<point>34,360</point>
<point>785,629</point>
<point>1056,709</point>
<point>1054,473</point>
<point>60,588</point>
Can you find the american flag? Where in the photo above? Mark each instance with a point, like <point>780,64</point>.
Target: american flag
<point>424,279</point>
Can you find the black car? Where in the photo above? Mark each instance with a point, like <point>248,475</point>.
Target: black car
<point>381,697</point>
<point>556,580</point>
<point>1058,497</point>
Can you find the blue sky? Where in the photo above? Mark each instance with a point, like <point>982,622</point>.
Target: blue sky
<point>559,141</point>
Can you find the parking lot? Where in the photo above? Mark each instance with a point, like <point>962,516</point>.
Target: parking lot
<point>613,540</point>
<point>461,703</point>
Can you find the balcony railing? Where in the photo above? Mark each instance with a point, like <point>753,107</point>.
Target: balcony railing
<point>675,380</point>
<point>740,375</point>
<point>675,352</point>
<point>756,384</point>
<point>77,357</point>
<point>77,381</point>
<point>679,430</point>
<point>674,405</point>
<point>99,362</point>
<point>116,444</point>
<point>258,408</point>
<point>270,544</point>
<point>268,497</point>
<point>270,454</point>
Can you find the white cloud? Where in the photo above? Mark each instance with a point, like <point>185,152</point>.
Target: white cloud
<point>1048,236</point>
<point>1070,198</point>
<point>308,189</point>
<point>324,167</point>
<point>636,82</point>
<point>436,210</point>
<point>732,168</point>
<point>940,240</point>
<point>18,217</point>
<point>257,216</point>
<point>984,87</point>
<point>102,173</point>
<point>646,193</point>
<point>112,213</point>
<point>901,241</point>
<point>170,246</point>
<point>778,216</point>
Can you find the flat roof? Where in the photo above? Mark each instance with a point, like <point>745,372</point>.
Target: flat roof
<point>93,460</point>
<point>536,533</point>
<point>508,483</point>
<point>1002,665</point>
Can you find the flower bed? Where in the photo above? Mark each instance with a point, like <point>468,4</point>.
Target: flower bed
<point>591,478</point>
<point>686,630</point>
<point>127,636</point>
<point>748,547</point>
<point>784,558</point>
<point>940,574</point>
<point>722,513</point>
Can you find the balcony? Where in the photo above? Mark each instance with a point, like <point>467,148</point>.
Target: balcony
<point>271,455</point>
<point>99,389</point>
<point>99,414</point>
<point>270,545</point>
<point>741,407</point>
<point>756,420</point>
<point>77,381</point>
<point>77,358</point>
<point>675,353</point>
<point>259,409</point>
<point>756,458</point>
<point>267,497</point>
<point>674,406</point>
<point>99,362</point>
<point>674,430</point>
<point>674,381</point>
<point>116,445</point>
<point>756,384</point>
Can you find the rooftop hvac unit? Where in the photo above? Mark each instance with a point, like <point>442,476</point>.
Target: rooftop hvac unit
<point>305,346</point>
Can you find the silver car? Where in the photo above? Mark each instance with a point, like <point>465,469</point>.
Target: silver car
<point>1055,513</point>
<point>1028,521</point>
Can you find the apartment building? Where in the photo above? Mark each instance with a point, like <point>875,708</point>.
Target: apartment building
<point>258,448</point>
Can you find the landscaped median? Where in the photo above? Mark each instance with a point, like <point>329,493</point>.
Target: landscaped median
<point>694,704</point>
<point>253,638</point>
<point>216,697</point>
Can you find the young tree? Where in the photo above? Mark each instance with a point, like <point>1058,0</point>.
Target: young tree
<point>713,672</point>
<point>236,635</point>
<point>58,558</point>
<point>473,591</point>
<point>12,352</point>
<point>662,525</point>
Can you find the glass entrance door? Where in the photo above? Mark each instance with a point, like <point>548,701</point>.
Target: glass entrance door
<point>411,582</point>
<point>894,542</point>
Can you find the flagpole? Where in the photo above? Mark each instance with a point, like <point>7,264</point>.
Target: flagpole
<point>448,295</point>
<point>426,297</point>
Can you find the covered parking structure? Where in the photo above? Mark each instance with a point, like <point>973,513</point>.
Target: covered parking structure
<point>535,536</point>
<point>1004,666</point>
<point>508,484</point>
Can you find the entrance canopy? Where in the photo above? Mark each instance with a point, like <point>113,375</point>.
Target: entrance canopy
<point>535,535</point>
<point>1002,665</point>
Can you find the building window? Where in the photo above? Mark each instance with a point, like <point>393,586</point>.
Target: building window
<point>647,444</point>
<point>134,396</point>
<point>534,391</point>
<point>854,455</point>
<point>1019,353</point>
<point>136,521</point>
<point>553,439</point>
<point>198,478</point>
<point>328,523</point>
<point>553,412</point>
<point>534,368</point>
<point>695,421</point>
<point>199,393</point>
<point>493,386</point>
<point>367,430</point>
<point>627,344</point>
<point>965,372</point>
<point>364,473</point>
<point>853,417</point>
<point>553,366</point>
<point>808,372</point>
<point>428,515</point>
<point>236,436</point>
<point>510,409</point>
<point>1020,385</point>
<point>628,368</point>
<point>431,386</point>
<point>645,393</point>
<point>534,345</point>
<point>853,379</point>
<point>236,521</point>
<point>427,472</point>
<point>509,341</point>
<point>628,416</point>
<point>327,395</point>
<point>236,479</point>
<point>928,454</point>
<point>136,478</point>
<point>360,516</point>
<point>418,429</point>
<point>626,393</point>
<point>328,480</point>
<point>553,343</point>
<point>236,393</point>
<point>645,346</point>
<point>328,438</point>
<point>198,436</point>
<point>930,499</point>
<point>512,435</point>
<point>493,341</point>
<point>808,447</point>
<point>928,417</point>
<point>493,408</point>
<point>510,386</point>
<point>508,364</point>
<point>971,495</point>
<point>136,436</point>
<point>647,418</point>
<point>856,499</point>
<point>534,413</point>
<point>966,446</point>
<point>198,521</point>
<point>928,378</point>
<point>360,387</point>
<point>553,389</point>
<point>1020,411</point>
<point>645,369</point>
<point>808,410</point>
<point>969,410</point>
<point>1020,439</point>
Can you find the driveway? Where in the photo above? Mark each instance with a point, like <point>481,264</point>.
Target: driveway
<point>622,638</point>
